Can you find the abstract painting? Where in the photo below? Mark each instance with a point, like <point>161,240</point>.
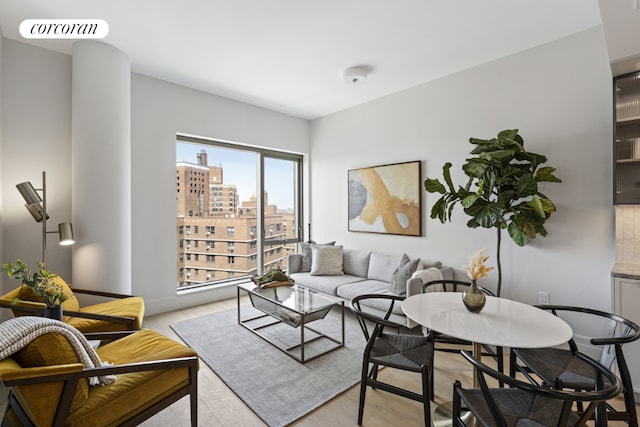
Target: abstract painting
<point>386,199</point>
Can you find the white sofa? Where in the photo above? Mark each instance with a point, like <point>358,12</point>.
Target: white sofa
<point>364,272</point>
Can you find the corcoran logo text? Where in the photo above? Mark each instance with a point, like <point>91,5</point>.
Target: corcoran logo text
<point>64,29</point>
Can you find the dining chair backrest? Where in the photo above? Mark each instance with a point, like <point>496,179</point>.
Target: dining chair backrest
<point>613,330</point>
<point>449,285</point>
<point>498,403</point>
<point>606,332</point>
<point>380,302</point>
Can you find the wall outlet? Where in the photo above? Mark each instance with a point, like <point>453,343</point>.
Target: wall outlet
<point>543,297</point>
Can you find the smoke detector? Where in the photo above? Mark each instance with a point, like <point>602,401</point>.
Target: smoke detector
<point>355,76</point>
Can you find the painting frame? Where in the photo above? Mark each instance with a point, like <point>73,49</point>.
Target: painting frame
<point>385,199</point>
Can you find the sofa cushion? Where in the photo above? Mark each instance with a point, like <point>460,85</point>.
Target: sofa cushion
<point>326,260</point>
<point>325,284</point>
<point>401,275</point>
<point>305,250</point>
<point>352,290</point>
<point>355,262</point>
<point>382,266</point>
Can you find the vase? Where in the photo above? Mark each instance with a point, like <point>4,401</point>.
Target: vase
<point>473,298</point>
<point>53,312</point>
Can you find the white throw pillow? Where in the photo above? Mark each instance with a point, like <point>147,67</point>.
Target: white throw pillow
<point>429,274</point>
<point>326,260</point>
<point>305,250</point>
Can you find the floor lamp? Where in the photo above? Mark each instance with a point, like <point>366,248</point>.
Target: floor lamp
<point>37,207</point>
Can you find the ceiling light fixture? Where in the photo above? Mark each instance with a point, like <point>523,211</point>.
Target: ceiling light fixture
<point>355,76</point>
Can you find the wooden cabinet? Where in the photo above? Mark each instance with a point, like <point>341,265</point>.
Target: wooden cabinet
<point>625,299</point>
<point>627,139</point>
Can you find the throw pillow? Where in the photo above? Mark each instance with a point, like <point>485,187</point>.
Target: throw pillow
<point>402,274</point>
<point>382,266</point>
<point>326,260</point>
<point>305,249</point>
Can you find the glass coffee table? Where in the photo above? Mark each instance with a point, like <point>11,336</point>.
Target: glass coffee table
<point>295,306</point>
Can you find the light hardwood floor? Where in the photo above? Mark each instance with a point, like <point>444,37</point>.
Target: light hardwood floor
<point>219,406</point>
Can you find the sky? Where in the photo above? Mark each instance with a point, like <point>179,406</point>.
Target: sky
<point>239,169</point>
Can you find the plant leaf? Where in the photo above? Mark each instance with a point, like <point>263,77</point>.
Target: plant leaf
<point>434,186</point>
<point>545,174</point>
<point>446,173</point>
<point>526,185</point>
<point>489,216</point>
<point>536,204</point>
<point>517,235</point>
<point>469,200</point>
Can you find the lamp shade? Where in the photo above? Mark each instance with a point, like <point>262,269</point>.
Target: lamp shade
<point>28,193</point>
<point>65,230</point>
<point>36,211</point>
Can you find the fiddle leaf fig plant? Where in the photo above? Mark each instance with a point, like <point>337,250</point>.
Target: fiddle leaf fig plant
<point>501,192</point>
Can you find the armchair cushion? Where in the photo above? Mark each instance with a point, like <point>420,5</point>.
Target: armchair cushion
<point>122,306</point>
<point>125,307</point>
<point>133,391</point>
<point>48,350</point>
<point>25,293</point>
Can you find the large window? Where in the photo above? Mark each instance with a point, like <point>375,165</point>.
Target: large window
<point>250,196</point>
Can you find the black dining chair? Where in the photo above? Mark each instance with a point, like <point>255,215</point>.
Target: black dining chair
<point>445,341</point>
<point>388,346</point>
<point>544,366</point>
<point>527,404</point>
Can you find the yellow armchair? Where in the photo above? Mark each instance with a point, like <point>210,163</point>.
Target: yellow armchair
<point>49,386</point>
<point>121,313</point>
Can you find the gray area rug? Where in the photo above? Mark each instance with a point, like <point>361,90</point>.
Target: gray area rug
<point>276,387</point>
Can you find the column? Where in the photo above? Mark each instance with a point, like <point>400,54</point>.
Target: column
<point>101,167</point>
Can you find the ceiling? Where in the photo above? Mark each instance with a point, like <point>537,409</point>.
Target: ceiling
<point>289,55</point>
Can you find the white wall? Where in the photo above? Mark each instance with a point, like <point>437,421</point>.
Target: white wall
<point>559,96</point>
<point>160,110</point>
<point>36,137</point>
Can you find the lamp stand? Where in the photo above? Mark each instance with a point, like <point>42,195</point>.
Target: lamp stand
<point>44,219</point>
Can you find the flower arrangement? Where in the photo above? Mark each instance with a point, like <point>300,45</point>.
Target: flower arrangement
<point>41,282</point>
<point>476,268</point>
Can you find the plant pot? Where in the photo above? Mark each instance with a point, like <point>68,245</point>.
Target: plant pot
<point>53,312</point>
<point>473,298</point>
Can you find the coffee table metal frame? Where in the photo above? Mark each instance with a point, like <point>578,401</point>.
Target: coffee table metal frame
<point>295,306</point>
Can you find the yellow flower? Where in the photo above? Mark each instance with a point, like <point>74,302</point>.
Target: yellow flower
<point>476,268</point>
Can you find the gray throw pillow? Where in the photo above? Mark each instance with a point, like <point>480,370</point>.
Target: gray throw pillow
<point>305,250</point>
<point>326,260</point>
<point>402,274</point>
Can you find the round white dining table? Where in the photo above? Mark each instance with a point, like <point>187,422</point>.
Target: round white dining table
<point>502,322</point>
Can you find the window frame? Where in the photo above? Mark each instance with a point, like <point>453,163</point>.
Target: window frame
<point>262,243</point>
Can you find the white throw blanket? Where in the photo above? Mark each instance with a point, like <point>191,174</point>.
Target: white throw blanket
<point>18,332</point>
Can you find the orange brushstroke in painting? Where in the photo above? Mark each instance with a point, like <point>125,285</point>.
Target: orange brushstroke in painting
<point>387,206</point>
